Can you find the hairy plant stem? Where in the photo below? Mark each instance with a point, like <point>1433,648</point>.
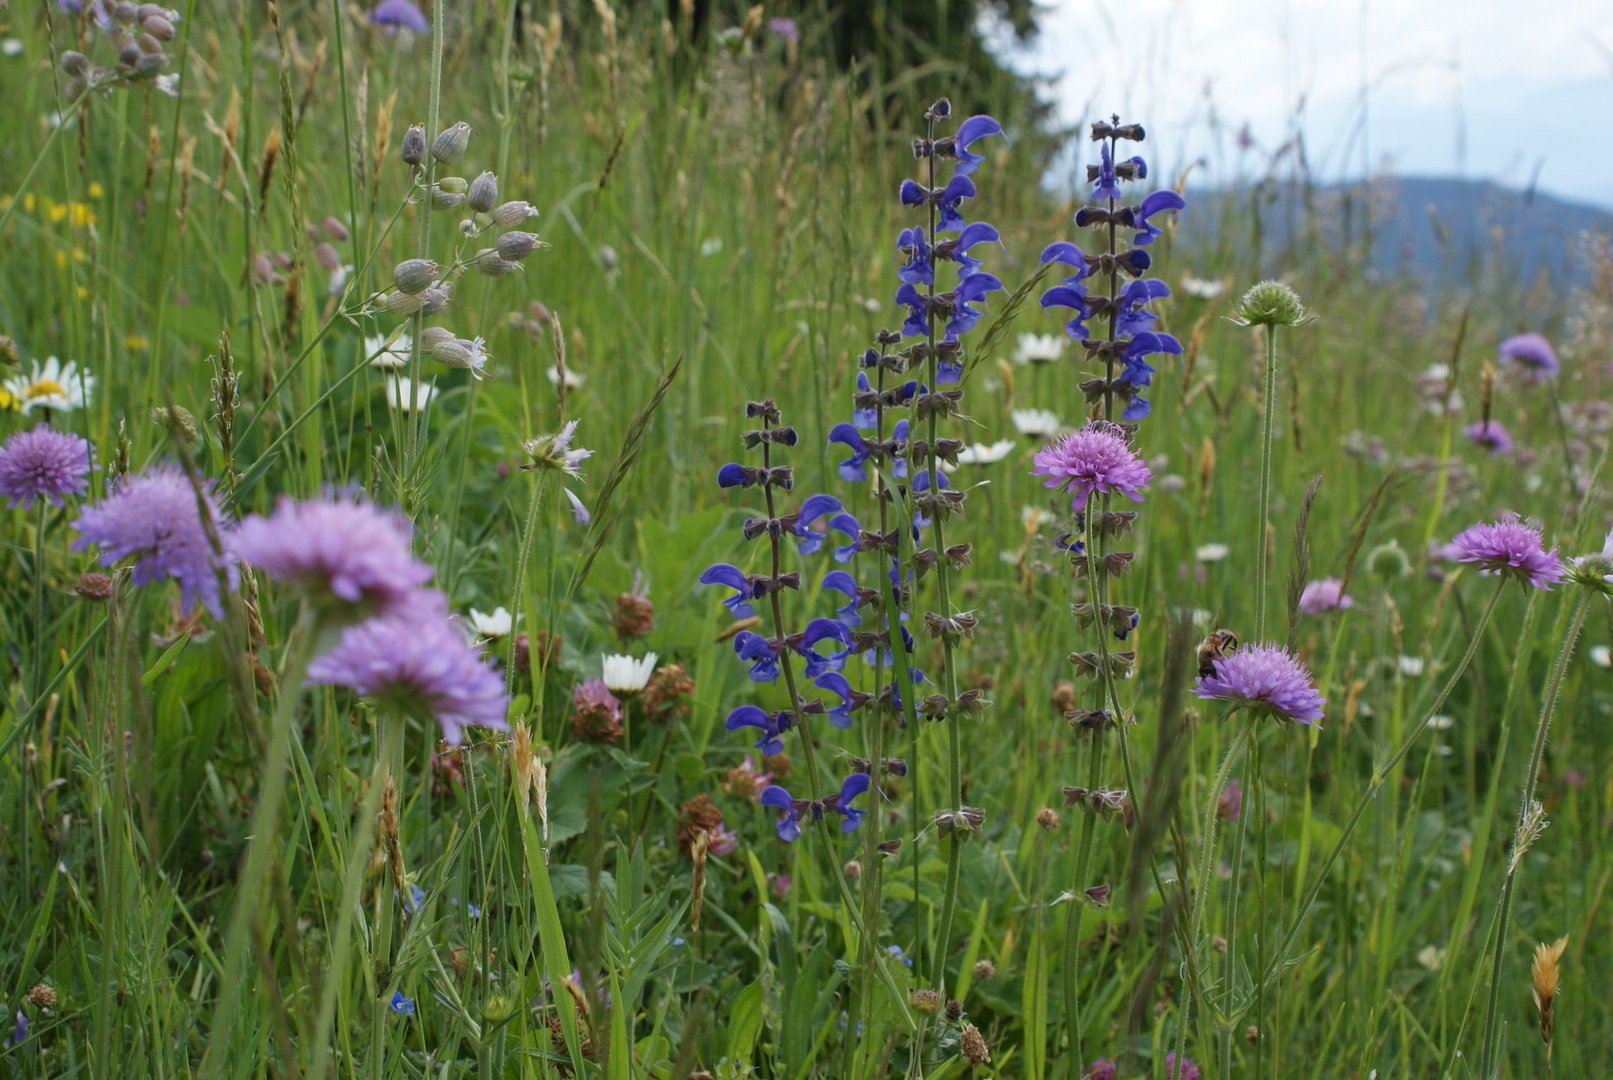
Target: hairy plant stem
<point>1279,958</point>
<point>416,427</point>
<point>265,833</point>
<point>521,561</point>
<point>388,771</point>
<point>1488,1065</point>
<point>1261,570</point>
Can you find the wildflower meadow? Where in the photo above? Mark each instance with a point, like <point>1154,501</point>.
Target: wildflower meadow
<point>580,539</point>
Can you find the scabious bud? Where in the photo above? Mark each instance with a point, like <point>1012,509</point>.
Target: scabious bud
<point>513,213</point>
<point>75,63</point>
<point>1270,303</point>
<point>515,246</point>
<point>1047,818</point>
<point>483,193</point>
<point>414,275</point>
<point>328,258</point>
<point>413,149</point>
<point>853,869</point>
<point>1388,561</point>
<point>1594,572</point>
<point>927,1002</point>
<point>451,143</point>
<point>974,1048</point>
<point>95,587</point>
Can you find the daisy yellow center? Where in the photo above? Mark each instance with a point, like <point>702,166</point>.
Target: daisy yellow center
<point>46,388</point>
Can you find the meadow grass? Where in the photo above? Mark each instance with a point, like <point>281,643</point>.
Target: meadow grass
<point>719,222</point>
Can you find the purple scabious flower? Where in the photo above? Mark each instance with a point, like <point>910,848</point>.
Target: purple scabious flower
<point>1267,678</point>
<point>1325,595</point>
<point>419,663</point>
<point>782,27</point>
<point>396,13</point>
<point>349,557</point>
<point>1102,1069</point>
<point>1189,1071</point>
<point>1095,459</point>
<point>1513,548</point>
<point>1532,351</point>
<point>1230,805</point>
<point>154,516</point>
<point>43,463</point>
<point>1490,435</point>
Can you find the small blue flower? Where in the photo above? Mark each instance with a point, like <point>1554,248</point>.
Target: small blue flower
<point>969,290</point>
<point>401,1004</point>
<point>958,189</point>
<point>677,941</point>
<point>738,605</point>
<point>842,582</point>
<point>755,650</point>
<point>20,1033</point>
<point>789,825</point>
<point>866,419</point>
<point>970,131</point>
<point>819,630</point>
<point>772,725</point>
<point>837,684</point>
<point>1153,204</point>
<point>475,912</point>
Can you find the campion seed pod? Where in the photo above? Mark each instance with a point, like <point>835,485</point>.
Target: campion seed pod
<point>75,63</point>
<point>158,27</point>
<point>77,85</point>
<point>414,275</point>
<point>402,303</point>
<point>433,300</point>
<point>445,200</point>
<point>1270,303</point>
<point>451,143</point>
<point>328,258</point>
<point>483,193</point>
<point>516,246</point>
<point>454,185</point>
<point>492,264</point>
<point>452,353</point>
<point>513,213</point>
<point>126,13</point>
<point>149,45</point>
<point>413,149</point>
<point>128,56</point>
<point>432,336</point>
<point>150,63</point>
<point>336,230</point>
<point>146,11</point>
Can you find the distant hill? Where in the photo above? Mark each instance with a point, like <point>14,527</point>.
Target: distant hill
<point>1431,227</point>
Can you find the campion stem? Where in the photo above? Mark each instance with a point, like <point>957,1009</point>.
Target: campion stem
<point>520,591</point>
<point>1279,958</point>
<point>265,833</point>
<point>1261,570</point>
<point>1487,1057</point>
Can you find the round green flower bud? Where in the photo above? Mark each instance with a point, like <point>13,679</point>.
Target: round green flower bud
<point>1388,561</point>
<point>454,185</point>
<point>414,275</point>
<point>1594,572</point>
<point>1270,303</point>
<point>925,1001</point>
<point>451,144</point>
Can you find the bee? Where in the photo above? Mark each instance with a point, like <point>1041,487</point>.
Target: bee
<point>1215,647</point>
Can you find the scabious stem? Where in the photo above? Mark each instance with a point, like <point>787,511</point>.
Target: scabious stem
<point>1487,1058</point>
<point>1261,570</point>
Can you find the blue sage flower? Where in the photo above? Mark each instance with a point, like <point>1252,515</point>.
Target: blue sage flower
<point>842,582</point>
<point>970,131</point>
<point>772,725</point>
<point>757,651</point>
<point>789,824</point>
<point>816,632</point>
<point>748,588</point>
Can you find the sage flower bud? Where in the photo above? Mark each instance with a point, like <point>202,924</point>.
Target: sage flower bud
<point>492,264</point>
<point>483,193</point>
<point>158,27</point>
<point>401,303</point>
<point>454,185</point>
<point>512,214</point>
<point>75,63</point>
<point>451,143</point>
<point>432,336</point>
<point>516,246</point>
<point>433,300</point>
<point>327,257</point>
<point>445,200</point>
<point>414,145</point>
<point>336,230</point>
<point>414,275</point>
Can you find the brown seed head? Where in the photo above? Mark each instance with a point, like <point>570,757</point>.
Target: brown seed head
<point>1547,974</point>
<point>973,1046</point>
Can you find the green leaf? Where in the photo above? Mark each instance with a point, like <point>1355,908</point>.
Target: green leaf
<point>550,935</point>
<point>166,660</point>
<point>745,1021</point>
<point>689,768</point>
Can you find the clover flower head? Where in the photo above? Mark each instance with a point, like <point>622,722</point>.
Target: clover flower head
<point>1267,678</point>
<point>1512,548</point>
<point>154,516</point>
<point>417,662</point>
<point>1095,459</point>
<point>347,556</point>
<point>43,463</point>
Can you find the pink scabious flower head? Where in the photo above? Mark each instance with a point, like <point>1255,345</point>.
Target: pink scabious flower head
<point>1095,459</point>
<point>154,516</point>
<point>1267,678</point>
<point>417,661</point>
<point>1512,548</point>
<point>393,14</point>
<point>348,557</point>
<point>1102,1069</point>
<point>43,463</point>
<point>1188,1071</point>
<point>1230,804</point>
<point>1325,595</point>
<point>1490,435</point>
<point>1533,353</point>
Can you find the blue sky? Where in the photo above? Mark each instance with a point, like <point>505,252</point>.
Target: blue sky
<point>1480,88</point>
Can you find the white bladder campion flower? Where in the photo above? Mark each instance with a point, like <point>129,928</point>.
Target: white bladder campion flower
<point>625,675</point>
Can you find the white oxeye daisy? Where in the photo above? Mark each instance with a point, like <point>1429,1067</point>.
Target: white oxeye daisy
<point>1036,423</point>
<point>1211,552</point>
<point>981,454</point>
<point>405,395</point>
<point>625,675</point>
<point>57,386</point>
<point>1038,349</point>
<point>574,379</point>
<point>1601,656</point>
<point>497,625</point>
<point>389,354</point>
<point>1202,288</point>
